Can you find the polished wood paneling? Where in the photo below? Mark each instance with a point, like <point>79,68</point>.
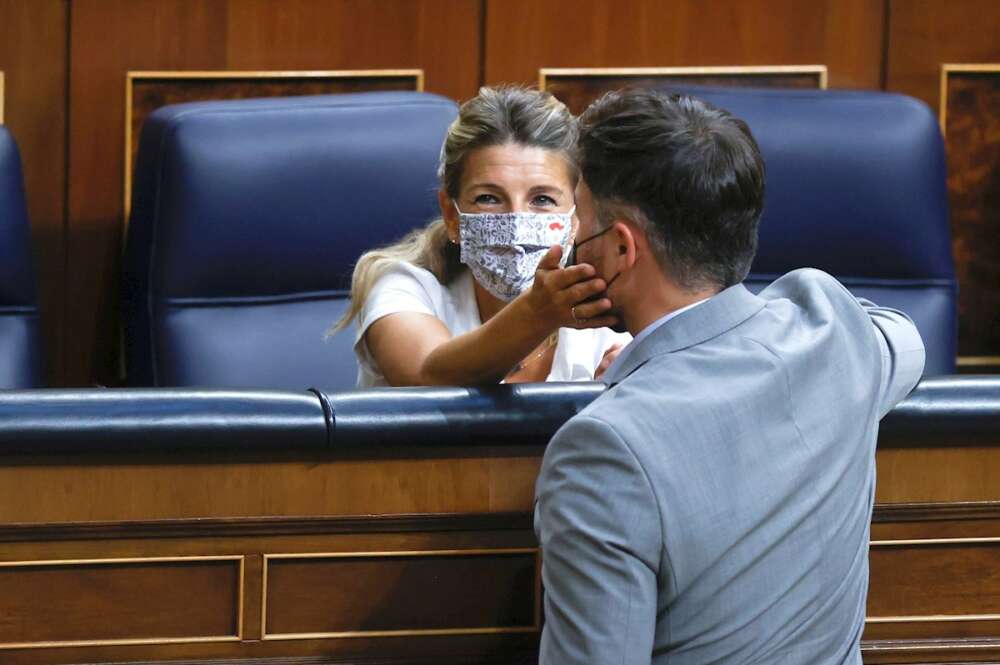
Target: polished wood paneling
<point>945,587</point>
<point>453,537</point>
<point>908,475</point>
<point>388,593</point>
<point>161,487</point>
<point>111,37</point>
<point>353,602</point>
<point>933,590</point>
<point>62,603</point>
<point>524,35</point>
<point>923,36</point>
<point>577,88</point>
<point>33,58</point>
<point>970,118</point>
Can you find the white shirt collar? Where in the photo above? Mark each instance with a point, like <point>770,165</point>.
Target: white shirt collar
<point>644,333</point>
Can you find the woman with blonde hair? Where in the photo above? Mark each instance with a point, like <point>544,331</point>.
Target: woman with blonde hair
<point>481,295</point>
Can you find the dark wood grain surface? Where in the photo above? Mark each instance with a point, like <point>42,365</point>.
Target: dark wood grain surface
<point>524,35</point>
<point>972,138</point>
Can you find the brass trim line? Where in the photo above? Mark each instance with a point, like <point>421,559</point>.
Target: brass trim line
<point>91,562</point>
<point>968,68</point>
<point>114,643</point>
<point>934,541</point>
<point>427,632</point>
<point>139,640</point>
<point>973,361</point>
<point>934,618</point>
<point>134,75</point>
<point>923,644</point>
<point>415,632</point>
<point>820,70</point>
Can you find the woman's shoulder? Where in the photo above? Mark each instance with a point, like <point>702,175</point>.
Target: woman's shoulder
<point>403,274</point>
<point>404,287</point>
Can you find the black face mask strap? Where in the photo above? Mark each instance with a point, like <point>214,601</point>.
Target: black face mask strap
<point>591,237</point>
<point>572,256</point>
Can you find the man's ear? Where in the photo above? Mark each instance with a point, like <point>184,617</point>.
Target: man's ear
<point>448,214</point>
<point>627,242</point>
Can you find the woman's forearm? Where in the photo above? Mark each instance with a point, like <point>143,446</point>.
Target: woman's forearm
<point>486,354</point>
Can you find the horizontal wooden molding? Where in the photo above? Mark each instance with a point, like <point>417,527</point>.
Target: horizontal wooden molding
<point>512,657</point>
<point>923,646</point>
<point>935,511</point>
<point>264,526</point>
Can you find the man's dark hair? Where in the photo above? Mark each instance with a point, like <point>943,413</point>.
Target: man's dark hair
<point>692,174</point>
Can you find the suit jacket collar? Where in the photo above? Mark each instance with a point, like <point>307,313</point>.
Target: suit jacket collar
<point>723,311</point>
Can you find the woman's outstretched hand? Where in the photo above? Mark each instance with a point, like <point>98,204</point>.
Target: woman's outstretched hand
<point>569,297</point>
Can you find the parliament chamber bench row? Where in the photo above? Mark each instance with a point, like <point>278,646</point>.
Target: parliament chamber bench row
<point>207,517</point>
<point>247,217</point>
<point>394,525</point>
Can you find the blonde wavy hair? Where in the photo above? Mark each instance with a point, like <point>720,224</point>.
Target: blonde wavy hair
<point>496,116</point>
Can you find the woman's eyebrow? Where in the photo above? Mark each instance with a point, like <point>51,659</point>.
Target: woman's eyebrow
<point>486,185</point>
<point>547,188</point>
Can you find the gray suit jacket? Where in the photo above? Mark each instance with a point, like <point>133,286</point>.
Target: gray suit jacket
<point>713,505</point>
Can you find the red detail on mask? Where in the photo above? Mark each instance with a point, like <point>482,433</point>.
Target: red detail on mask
<point>556,226</point>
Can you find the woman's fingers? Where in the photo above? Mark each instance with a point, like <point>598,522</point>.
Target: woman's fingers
<point>551,259</point>
<point>609,357</point>
<point>589,310</point>
<point>581,291</point>
<point>561,279</point>
<point>596,322</point>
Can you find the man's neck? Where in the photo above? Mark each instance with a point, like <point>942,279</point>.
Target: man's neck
<point>652,304</point>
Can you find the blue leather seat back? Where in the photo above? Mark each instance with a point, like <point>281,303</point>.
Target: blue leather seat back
<point>856,186</point>
<point>20,343</point>
<point>247,219</point>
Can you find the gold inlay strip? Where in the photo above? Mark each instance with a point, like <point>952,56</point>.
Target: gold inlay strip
<point>934,618</point>
<point>820,70</point>
<point>934,541</point>
<point>968,68</point>
<point>972,361</point>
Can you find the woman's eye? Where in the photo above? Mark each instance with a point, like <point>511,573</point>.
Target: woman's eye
<point>487,199</point>
<point>544,201</point>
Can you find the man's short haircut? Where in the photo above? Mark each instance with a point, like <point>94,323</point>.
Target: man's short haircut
<point>688,173</point>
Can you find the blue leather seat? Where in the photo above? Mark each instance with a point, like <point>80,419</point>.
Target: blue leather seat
<point>856,187</point>
<point>20,343</point>
<point>247,219</point>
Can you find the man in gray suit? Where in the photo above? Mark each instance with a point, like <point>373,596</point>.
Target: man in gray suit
<point>713,505</point>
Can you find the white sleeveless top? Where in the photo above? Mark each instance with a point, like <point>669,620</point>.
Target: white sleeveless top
<point>407,288</point>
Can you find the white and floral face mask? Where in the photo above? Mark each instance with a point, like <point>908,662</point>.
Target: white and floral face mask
<point>503,249</point>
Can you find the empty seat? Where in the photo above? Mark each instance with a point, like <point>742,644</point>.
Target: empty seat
<point>20,344</point>
<point>856,187</point>
<point>247,219</point>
